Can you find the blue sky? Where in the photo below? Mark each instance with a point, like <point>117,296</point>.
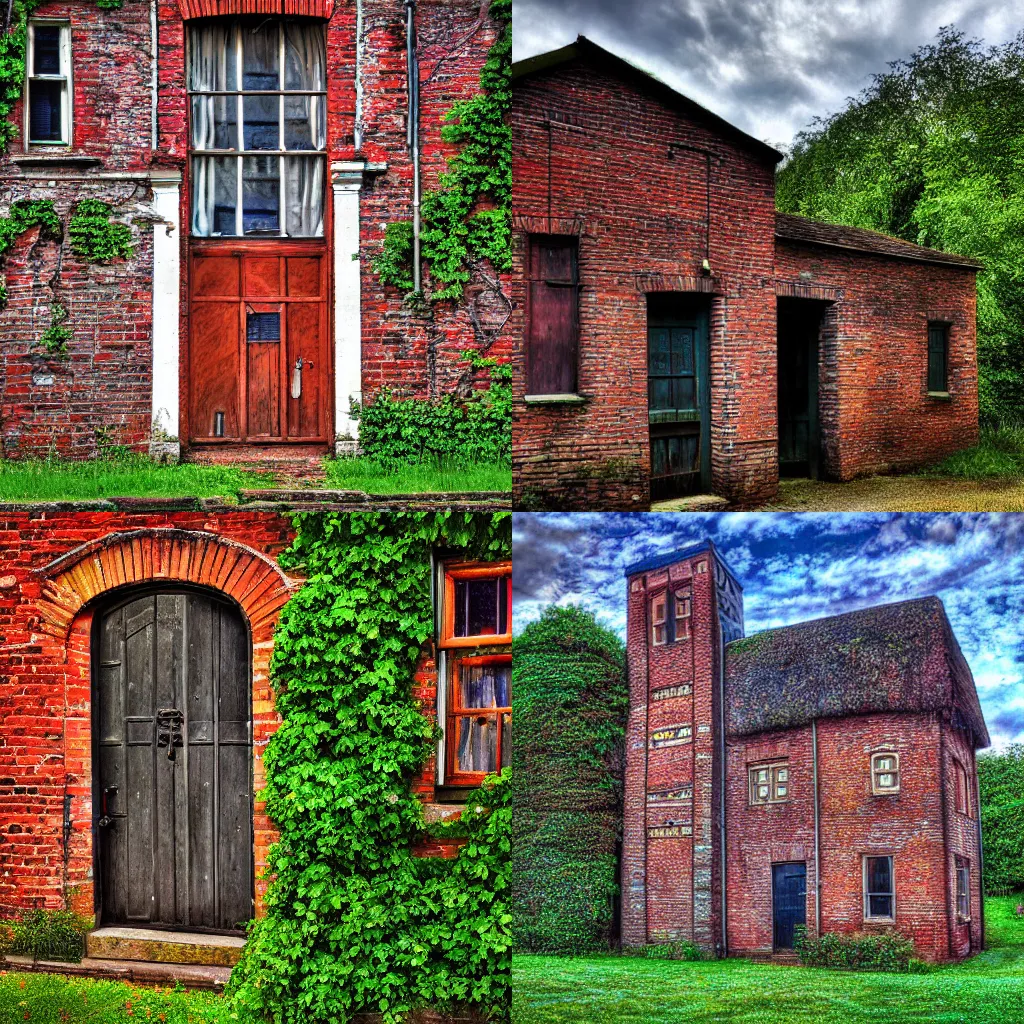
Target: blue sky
<point>802,566</point>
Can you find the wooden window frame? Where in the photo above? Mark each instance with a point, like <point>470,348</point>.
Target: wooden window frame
<point>773,782</point>
<point>532,277</point>
<point>455,711</point>
<point>454,571</point>
<point>662,623</point>
<point>868,916</point>
<point>962,896</point>
<point>675,624</point>
<point>877,788</point>
<point>943,327</point>
<point>962,788</point>
<point>682,612</point>
<point>68,91</point>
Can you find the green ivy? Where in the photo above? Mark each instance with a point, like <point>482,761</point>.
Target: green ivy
<point>468,216</point>
<point>23,215</point>
<point>95,238</point>
<point>355,922</point>
<point>570,703</point>
<point>55,338</point>
<point>477,428</point>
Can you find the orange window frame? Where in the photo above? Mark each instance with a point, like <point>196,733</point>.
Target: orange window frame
<point>453,572</point>
<point>455,711</point>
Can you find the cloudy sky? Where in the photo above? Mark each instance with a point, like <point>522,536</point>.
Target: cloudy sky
<point>769,66</point>
<point>805,566</point>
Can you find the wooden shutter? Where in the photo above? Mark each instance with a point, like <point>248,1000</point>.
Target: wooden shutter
<point>938,343</point>
<point>552,326</point>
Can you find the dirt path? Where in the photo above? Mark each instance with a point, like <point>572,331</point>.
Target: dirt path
<point>898,494</point>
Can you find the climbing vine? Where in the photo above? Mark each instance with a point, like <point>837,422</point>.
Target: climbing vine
<point>95,238</point>
<point>22,216</point>
<point>354,921</point>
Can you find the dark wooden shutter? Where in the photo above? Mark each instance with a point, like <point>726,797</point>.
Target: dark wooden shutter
<point>938,343</point>
<point>552,326</point>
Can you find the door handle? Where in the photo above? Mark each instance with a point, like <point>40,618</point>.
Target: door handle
<point>108,819</point>
<point>296,389</point>
<point>168,730</point>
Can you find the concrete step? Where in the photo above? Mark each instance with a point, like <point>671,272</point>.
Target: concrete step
<point>692,503</point>
<point>291,465</point>
<point>149,945</point>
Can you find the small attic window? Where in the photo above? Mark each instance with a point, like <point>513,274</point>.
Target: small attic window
<point>769,783</point>
<point>885,773</point>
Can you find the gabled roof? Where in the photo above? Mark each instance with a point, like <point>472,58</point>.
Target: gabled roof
<point>584,51</point>
<point>794,228</point>
<point>890,658</point>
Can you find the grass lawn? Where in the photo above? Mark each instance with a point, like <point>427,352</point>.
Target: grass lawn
<point>361,474</point>
<point>53,999</point>
<point>998,456</point>
<point>987,989</point>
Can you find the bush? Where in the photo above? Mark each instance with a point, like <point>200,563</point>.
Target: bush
<point>888,951</point>
<point>393,429</point>
<point>49,935</point>
<point>688,951</point>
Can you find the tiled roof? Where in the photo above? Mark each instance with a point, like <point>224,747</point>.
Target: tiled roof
<point>794,228</point>
<point>894,657</point>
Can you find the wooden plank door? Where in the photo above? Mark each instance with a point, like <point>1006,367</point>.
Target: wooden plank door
<point>678,400</point>
<point>259,359</point>
<point>789,902</point>
<point>173,763</point>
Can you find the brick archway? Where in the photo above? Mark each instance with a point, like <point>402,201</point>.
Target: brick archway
<point>71,588</point>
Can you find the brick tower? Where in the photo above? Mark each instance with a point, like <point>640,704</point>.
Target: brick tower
<point>682,608</point>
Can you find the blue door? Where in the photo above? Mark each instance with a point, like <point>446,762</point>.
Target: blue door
<point>789,902</point>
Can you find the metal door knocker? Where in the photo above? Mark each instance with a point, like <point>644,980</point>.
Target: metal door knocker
<point>168,730</point>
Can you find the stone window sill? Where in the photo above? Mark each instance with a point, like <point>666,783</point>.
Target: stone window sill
<point>554,400</point>
<point>942,396</point>
<point>49,158</point>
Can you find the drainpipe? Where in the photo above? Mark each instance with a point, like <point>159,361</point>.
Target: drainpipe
<point>723,781</point>
<point>817,832</point>
<point>358,130</point>
<point>155,82</point>
<point>413,138</point>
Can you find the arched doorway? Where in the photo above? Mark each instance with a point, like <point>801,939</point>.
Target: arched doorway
<point>172,776</point>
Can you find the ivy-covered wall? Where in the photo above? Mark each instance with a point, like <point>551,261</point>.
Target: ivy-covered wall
<point>356,921</point>
<point>570,703</point>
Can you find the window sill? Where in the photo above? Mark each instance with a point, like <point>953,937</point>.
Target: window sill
<point>54,159</point>
<point>554,400</point>
<point>942,396</point>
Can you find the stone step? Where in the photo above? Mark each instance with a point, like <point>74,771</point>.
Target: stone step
<point>192,976</point>
<point>149,945</point>
<point>692,503</point>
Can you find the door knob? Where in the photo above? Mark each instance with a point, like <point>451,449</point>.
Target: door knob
<point>168,730</point>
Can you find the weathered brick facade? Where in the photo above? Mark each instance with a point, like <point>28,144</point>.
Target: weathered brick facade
<point>666,199</point>
<point>104,392</point>
<point>56,570</point>
<point>702,715</point>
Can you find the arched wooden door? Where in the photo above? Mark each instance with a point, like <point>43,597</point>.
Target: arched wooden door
<point>173,778</point>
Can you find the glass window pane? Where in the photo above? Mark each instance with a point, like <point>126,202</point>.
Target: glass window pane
<point>261,195</point>
<point>476,607</point>
<point>880,906</point>
<point>762,792</point>
<point>214,122</point>
<point>506,741</point>
<point>485,686</point>
<point>46,52</point>
<point>879,874</point>
<point>780,791</point>
<point>304,196</point>
<point>214,195</point>
<point>304,126</point>
<point>885,781</point>
<point>477,749</point>
<point>262,125</point>
<point>44,119</point>
<point>783,774</point>
<point>260,56</point>
<point>305,56</point>
<point>212,65</point>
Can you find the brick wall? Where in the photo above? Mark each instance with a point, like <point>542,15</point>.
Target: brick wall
<point>591,157</point>
<point>876,414</point>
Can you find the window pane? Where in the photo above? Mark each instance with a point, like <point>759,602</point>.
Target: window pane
<point>485,686</point>
<point>212,58</point>
<point>783,774</point>
<point>879,874</point>
<point>304,122</point>
<point>506,741</point>
<point>46,52</point>
<point>261,129</point>
<point>44,111</point>
<point>305,56</point>
<point>304,196</point>
<point>780,791</point>
<point>260,53</point>
<point>214,195</point>
<point>477,749</point>
<point>476,607</point>
<point>214,122</point>
<point>885,781</point>
<point>261,195</point>
<point>762,792</point>
<point>880,906</point>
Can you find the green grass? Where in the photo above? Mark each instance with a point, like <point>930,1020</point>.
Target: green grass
<point>53,999</point>
<point>987,989</point>
<point>362,474</point>
<point>128,476</point>
<point>998,456</point>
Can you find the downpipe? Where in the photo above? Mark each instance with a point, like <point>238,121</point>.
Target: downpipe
<point>413,134</point>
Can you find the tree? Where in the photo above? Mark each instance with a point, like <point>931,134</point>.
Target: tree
<point>1001,781</point>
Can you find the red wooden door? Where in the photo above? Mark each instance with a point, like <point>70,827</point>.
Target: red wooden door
<point>258,343</point>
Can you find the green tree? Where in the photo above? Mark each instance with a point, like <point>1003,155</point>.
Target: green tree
<point>570,703</point>
<point>1001,782</point>
<point>933,152</point>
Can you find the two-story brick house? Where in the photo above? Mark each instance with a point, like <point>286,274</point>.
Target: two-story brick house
<point>819,775</point>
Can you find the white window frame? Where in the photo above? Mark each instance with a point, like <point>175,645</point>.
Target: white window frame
<point>962,864</point>
<point>773,782</point>
<point>67,102</point>
<point>661,623</point>
<point>868,916</point>
<point>876,788</point>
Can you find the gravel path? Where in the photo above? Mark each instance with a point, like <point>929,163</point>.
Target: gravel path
<point>898,494</point>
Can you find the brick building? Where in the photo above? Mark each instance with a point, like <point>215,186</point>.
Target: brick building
<point>249,317</point>
<point>674,335</point>
<point>127,637</point>
<point>819,775</point>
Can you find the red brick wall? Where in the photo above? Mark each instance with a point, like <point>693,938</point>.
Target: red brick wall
<point>641,221</point>
<point>875,411</point>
